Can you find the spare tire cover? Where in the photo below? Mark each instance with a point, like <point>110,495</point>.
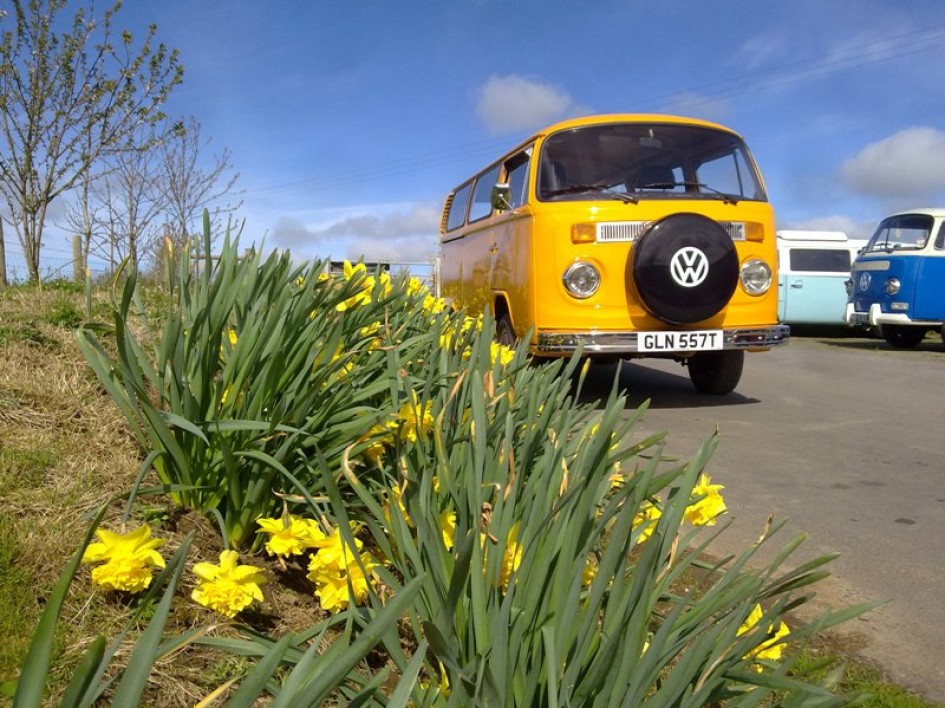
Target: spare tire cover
<point>684,268</point>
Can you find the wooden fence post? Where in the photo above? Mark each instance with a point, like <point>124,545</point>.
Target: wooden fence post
<point>78,262</point>
<point>3,259</point>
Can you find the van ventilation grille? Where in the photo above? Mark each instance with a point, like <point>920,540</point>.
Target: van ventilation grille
<point>616,231</point>
<point>608,232</point>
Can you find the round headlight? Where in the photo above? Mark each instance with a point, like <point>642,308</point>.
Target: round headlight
<point>756,276</point>
<point>892,286</point>
<point>582,279</point>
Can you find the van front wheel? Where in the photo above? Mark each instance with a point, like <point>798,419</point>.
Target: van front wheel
<point>504,334</point>
<point>716,373</point>
<point>903,337</point>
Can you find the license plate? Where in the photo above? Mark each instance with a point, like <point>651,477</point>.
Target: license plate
<point>859,318</point>
<point>692,341</point>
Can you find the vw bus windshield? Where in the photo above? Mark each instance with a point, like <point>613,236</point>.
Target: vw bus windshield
<point>632,161</point>
<point>906,232</point>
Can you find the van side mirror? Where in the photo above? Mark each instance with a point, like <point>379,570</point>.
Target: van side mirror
<point>501,196</point>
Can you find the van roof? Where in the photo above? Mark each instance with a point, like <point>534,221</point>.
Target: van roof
<point>935,212</point>
<point>798,235</point>
<point>604,118</point>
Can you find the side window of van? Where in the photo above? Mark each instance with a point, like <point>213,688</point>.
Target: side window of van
<point>820,259</point>
<point>457,215</point>
<point>517,175</point>
<point>481,205</point>
<point>940,238</point>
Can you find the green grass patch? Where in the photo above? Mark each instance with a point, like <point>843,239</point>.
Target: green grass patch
<point>24,468</point>
<point>63,313</point>
<point>18,609</point>
<point>860,676</point>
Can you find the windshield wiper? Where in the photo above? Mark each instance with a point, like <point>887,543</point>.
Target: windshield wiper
<point>599,188</point>
<point>727,198</point>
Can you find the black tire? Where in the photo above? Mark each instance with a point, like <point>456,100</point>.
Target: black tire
<point>684,268</point>
<point>902,336</point>
<point>504,334</point>
<point>716,373</point>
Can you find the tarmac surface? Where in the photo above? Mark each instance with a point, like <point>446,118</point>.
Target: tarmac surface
<point>845,437</point>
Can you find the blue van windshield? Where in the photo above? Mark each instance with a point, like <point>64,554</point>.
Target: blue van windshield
<point>906,232</point>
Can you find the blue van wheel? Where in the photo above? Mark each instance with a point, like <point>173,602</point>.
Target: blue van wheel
<point>903,337</point>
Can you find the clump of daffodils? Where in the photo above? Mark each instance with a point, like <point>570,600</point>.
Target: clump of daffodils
<point>340,572</point>
<point>127,560</point>
<point>228,588</point>
<point>414,421</point>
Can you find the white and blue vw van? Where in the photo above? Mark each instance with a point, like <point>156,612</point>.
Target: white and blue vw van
<point>898,281</point>
<point>813,270</point>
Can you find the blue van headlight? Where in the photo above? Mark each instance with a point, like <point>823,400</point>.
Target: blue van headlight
<point>756,276</point>
<point>893,286</point>
<point>581,279</point>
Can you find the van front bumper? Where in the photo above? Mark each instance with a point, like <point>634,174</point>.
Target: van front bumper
<point>594,342</point>
<point>877,318</point>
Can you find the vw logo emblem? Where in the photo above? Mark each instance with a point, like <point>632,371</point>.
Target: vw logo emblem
<point>689,266</point>
<point>864,281</point>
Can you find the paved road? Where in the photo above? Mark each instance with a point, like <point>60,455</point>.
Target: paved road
<point>845,437</point>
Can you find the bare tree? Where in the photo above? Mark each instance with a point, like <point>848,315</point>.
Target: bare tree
<point>67,100</point>
<point>195,183</point>
<point>133,196</point>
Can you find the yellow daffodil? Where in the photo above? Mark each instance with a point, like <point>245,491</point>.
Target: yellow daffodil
<point>334,566</point>
<point>512,557</point>
<point>228,588</point>
<point>771,648</point>
<point>290,535</point>
<point>501,354</point>
<point>127,559</point>
<point>416,419</point>
<point>415,286</point>
<point>442,689</point>
<point>590,570</point>
<point>352,271</point>
<point>397,497</point>
<point>448,527</point>
<point>708,505</point>
<point>363,296</point>
<point>380,437</point>
<point>647,516</point>
<point>433,305</point>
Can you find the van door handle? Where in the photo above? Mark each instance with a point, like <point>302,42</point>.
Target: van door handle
<point>797,284</point>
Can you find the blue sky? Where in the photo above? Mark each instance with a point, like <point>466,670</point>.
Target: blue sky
<point>350,121</point>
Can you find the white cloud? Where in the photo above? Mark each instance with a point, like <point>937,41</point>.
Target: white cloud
<point>760,51</point>
<point>908,165</point>
<point>375,233</point>
<point>513,103</point>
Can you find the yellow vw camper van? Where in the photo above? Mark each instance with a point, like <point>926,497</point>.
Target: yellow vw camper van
<point>622,236</point>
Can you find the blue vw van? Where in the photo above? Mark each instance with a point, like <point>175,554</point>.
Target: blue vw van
<point>813,270</point>
<point>898,281</point>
